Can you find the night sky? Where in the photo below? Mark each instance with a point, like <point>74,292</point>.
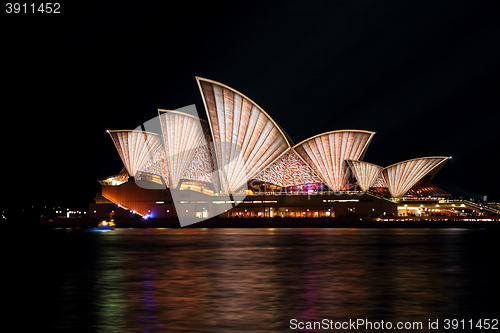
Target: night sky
<point>424,76</point>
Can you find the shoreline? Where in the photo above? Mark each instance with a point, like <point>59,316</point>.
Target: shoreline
<point>339,222</point>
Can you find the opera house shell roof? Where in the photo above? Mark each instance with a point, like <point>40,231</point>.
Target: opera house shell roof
<point>241,143</point>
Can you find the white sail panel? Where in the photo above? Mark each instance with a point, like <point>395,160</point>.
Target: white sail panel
<point>326,154</point>
<point>246,139</point>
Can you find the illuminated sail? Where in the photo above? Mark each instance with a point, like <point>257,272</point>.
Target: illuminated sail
<point>401,177</point>
<point>246,139</point>
<point>365,173</point>
<point>135,148</point>
<point>182,136</point>
<point>326,154</point>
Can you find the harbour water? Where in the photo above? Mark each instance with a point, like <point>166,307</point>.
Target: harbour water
<point>259,280</point>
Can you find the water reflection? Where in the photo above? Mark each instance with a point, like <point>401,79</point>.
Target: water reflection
<point>256,280</point>
<point>109,300</point>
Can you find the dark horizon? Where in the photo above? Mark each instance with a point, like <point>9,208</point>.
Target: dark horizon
<point>425,78</point>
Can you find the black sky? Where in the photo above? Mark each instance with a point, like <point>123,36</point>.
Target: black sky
<point>424,76</point>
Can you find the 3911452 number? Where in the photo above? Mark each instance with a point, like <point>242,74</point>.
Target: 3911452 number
<point>33,8</point>
<point>485,324</point>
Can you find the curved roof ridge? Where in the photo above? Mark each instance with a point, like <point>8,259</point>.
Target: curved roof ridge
<point>347,160</point>
<point>335,131</point>
<point>181,113</point>
<point>129,130</point>
<point>418,158</point>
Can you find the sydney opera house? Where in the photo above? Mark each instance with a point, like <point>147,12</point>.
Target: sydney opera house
<point>241,163</point>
